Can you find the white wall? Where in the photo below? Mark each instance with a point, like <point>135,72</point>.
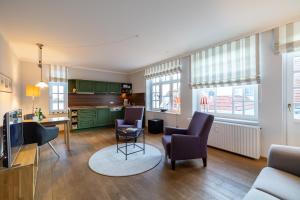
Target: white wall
<point>138,82</point>
<point>9,66</point>
<point>271,105</point>
<point>30,75</point>
<point>271,116</point>
<point>75,73</point>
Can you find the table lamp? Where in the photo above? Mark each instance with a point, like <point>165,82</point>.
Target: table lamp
<point>204,103</point>
<point>32,91</point>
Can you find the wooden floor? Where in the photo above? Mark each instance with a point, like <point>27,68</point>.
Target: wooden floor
<point>227,176</point>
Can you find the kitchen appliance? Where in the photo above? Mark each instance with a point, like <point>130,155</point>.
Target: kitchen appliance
<point>126,88</point>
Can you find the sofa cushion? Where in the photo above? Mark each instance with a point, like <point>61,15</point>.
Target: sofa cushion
<point>278,183</point>
<point>255,194</point>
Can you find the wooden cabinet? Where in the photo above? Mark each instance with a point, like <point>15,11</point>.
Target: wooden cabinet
<point>85,86</point>
<point>101,87</point>
<point>96,117</point>
<point>94,86</point>
<point>114,88</point>
<point>103,117</point>
<point>19,181</point>
<point>86,118</point>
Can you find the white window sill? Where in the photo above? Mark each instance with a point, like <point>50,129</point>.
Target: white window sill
<point>167,112</point>
<point>235,121</point>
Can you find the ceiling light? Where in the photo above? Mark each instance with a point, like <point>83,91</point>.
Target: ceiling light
<point>41,84</point>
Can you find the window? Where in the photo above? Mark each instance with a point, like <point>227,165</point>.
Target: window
<point>165,92</point>
<point>58,97</point>
<point>233,102</point>
<point>296,86</point>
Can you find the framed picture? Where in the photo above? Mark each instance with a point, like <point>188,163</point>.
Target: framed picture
<point>5,84</point>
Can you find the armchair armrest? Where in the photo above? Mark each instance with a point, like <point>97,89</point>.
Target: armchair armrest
<point>139,123</point>
<point>172,130</point>
<point>285,158</point>
<point>52,129</point>
<point>119,122</point>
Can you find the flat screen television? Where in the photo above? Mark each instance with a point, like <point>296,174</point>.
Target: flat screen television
<point>12,136</point>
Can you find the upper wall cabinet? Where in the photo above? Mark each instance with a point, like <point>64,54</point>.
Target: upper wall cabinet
<point>94,86</point>
<point>101,87</point>
<point>85,86</point>
<point>115,88</point>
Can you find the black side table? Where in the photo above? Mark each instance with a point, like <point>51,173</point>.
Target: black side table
<point>155,125</point>
<point>128,135</point>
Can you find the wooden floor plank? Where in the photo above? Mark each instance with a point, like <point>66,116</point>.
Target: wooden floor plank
<point>227,176</point>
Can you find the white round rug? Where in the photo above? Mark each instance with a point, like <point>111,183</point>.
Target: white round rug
<point>108,162</point>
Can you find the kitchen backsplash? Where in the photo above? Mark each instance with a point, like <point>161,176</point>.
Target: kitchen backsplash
<point>94,100</point>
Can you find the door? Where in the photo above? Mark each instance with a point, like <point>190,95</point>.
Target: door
<point>103,118</point>
<point>293,98</point>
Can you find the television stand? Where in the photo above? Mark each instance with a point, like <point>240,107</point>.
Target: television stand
<point>19,181</point>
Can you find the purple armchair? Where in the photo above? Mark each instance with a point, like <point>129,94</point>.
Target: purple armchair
<point>191,143</point>
<point>133,118</point>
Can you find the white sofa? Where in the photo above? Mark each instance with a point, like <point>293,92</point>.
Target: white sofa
<point>281,178</point>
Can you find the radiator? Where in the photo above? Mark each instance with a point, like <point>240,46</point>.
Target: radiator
<point>240,139</point>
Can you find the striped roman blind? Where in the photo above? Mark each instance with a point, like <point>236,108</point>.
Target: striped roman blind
<point>287,38</point>
<point>231,63</point>
<point>58,73</point>
<point>164,68</point>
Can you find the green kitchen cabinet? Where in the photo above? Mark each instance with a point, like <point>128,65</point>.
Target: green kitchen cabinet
<point>85,124</point>
<point>87,118</point>
<point>85,86</point>
<point>101,87</point>
<point>114,88</point>
<point>97,117</point>
<point>103,117</point>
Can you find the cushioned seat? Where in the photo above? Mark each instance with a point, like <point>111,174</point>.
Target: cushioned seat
<point>286,186</point>
<point>126,126</point>
<point>255,194</point>
<point>281,179</point>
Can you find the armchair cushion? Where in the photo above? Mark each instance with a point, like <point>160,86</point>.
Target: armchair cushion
<point>119,122</point>
<point>126,126</point>
<point>172,130</point>
<point>133,114</point>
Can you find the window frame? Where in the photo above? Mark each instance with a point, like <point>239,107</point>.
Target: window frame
<point>233,116</point>
<point>65,100</point>
<point>160,84</point>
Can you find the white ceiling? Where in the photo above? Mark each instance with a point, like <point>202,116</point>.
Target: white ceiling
<point>124,35</point>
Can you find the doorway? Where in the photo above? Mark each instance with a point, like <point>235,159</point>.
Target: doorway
<point>292,98</point>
